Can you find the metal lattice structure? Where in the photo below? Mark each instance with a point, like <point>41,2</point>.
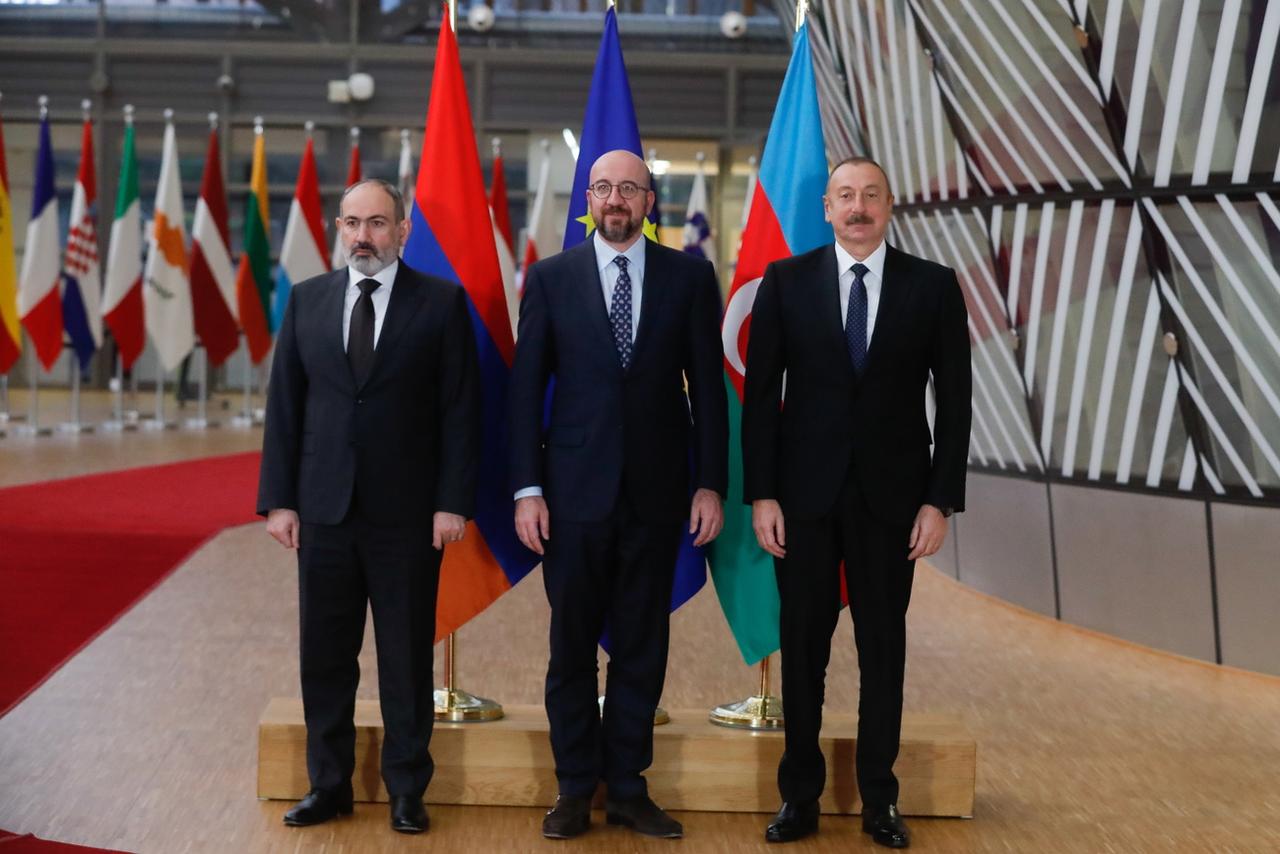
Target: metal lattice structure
<point>1102,174</point>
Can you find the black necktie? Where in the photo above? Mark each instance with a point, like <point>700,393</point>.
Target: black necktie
<point>620,312</point>
<point>855,321</point>
<point>360,332</point>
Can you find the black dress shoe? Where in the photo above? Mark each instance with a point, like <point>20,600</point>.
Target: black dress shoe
<point>643,816</point>
<point>319,805</point>
<point>886,826</point>
<point>570,817</point>
<point>793,821</point>
<point>408,815</point>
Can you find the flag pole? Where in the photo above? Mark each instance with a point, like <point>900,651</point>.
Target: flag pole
<point>201,421</point>
<point>454,704</point>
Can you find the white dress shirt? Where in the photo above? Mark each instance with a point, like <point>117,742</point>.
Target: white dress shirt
<point>605,258</point>
<point>606,255</point>
<point>872,279</point>
<point>381,298</point>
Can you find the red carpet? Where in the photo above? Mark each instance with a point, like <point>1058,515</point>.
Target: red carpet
<point>11,843</point>
<point>75,554</point>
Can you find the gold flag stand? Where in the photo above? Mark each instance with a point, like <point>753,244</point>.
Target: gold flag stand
<point>660,715</point>
<point>454,704</point>
<point>763,711</point>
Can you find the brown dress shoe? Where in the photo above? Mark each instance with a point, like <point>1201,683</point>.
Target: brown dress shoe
<point>643,816</point>
<point>570,817</point>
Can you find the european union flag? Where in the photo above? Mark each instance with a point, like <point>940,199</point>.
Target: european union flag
<point>610,124</point>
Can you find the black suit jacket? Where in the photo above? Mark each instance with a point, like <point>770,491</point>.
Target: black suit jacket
<point>406,440</point>
<point>612,430</point>
<point>799,451</point>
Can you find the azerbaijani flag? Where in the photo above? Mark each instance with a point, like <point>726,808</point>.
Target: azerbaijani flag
<point>39,302</point>
<point>452,237</point>
<point>302,254</point>
<point>786,218</point>
<point>610,124</point>
<point>122,295</point>
<point>81,279</point>
<point>10,326</point>
<point>253,279</point>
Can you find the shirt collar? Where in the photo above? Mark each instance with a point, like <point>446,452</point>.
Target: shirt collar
<point>606,253</point>
<point>386,276</point>
<point>874,262</point>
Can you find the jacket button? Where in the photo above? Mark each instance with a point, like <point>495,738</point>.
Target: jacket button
<point>359,400</point>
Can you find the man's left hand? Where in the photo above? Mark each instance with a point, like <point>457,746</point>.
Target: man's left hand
<point>928,532</point>
<point>706,516</point>
<point>447,528</point>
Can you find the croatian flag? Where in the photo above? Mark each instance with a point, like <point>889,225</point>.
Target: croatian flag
<point>302,253</point>
<point>81,276</point>
<point>453,237</point>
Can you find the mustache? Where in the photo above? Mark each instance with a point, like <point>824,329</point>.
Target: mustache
<point>858,219</point>
<point>368,247</point>
<point>618,209</point>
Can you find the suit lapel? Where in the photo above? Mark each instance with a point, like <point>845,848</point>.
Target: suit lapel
<point>407,296</point>
<point>331,305</point>
<point>832,325</point>
<point>591,297</point>
<point>895,287</point>
<point>653,290</point>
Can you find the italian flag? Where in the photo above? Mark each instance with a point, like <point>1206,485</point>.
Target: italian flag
<point>122,294</point>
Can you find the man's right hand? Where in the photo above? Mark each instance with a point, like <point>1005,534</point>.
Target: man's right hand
<point>533,522</point>
<point>766,520</point>
<point>284,526</point>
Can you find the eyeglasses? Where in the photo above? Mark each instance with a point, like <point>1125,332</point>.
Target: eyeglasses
<point>627,189</point>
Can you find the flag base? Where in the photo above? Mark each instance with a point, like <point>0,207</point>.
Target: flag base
<point>459,706</point>
<point>29,429</point>
<point>156,424</point>
<point>75,427</point>
<point>758,712</point>
<point>660,715</point>
<point>199,424</point>
<point>118,426</point>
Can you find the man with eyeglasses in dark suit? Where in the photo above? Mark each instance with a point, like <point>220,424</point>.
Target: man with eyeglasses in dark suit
<point>620,323</point>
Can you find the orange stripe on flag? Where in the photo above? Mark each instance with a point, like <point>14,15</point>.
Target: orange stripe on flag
<point>470,580</point>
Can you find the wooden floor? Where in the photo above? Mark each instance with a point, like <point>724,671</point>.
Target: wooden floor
<point>146,740</point>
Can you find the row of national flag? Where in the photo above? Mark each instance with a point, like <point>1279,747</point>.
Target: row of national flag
<point>187,288</point>
<point>457,233</point>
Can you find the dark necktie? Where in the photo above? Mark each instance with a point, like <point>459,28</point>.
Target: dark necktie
<point>620,312</point>
<point>360,332</point>
<point>855,321</point>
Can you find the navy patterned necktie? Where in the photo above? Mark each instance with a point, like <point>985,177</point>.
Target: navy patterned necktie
<point>360,332</point>
<point>855,321</point>
<point>620,312</point>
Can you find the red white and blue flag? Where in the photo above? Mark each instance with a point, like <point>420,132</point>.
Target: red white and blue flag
<point>302,252</point>
<point>452,237</point>
<point>81,271</point>
<point>39,302</point>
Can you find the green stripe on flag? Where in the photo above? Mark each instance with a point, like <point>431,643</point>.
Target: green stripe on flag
<point>742,571</point>
<point>127,192</point>
<point>258,251</point>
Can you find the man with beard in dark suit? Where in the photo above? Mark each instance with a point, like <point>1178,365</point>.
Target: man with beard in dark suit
<point>369,466</point>
<point>840,472</point>
<point>621,323</point>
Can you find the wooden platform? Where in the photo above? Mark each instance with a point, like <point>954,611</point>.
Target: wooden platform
<point>696,765</point>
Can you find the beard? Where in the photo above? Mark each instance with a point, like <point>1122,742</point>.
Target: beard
<point>370,265</point>
<point>619,232</point>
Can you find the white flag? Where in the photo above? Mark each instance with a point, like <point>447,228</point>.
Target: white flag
<point>166,288</point>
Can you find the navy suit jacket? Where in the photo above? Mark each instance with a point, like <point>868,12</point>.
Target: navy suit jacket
<point>613,431</point>
<point>406,441</point>
<point>799,452</point>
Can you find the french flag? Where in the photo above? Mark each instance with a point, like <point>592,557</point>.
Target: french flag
<point>452,237</point>
<point>39,300</point>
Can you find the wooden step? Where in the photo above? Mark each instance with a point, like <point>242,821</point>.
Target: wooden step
<point>696,765</point>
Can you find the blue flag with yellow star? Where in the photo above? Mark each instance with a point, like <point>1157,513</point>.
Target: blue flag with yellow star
<point>609,124</point>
